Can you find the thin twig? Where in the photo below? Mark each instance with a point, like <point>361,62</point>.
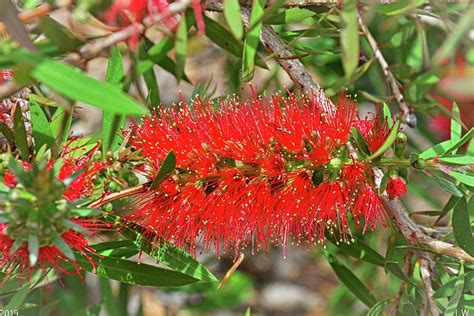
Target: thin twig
<point>404,109</point>
<point>30,15</point>
<point>120,195</point>
<point>231,270</point>
<point>416,237</point>
<point>426,271</point>
<point>93,49</point>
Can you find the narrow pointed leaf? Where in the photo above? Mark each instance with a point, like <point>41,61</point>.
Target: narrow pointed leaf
<point>462,226</point>
<point>5,130</point>
<point>131,272</point>
<point>233,18</point>
<point>167,166</point>
<point>352,282</point>
<point>181,47</point>
<point>447,186</point>
<point>166,253</point>
<point>63,247</point>
<point>40,126</point>
<point>33,249</point>
<point>388,142</point>
<point>349,37</point>
<point>76,85</point>
<point>252,40</point>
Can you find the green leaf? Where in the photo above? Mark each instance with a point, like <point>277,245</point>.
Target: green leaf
<point>17,300</point>
<point>447,186</point>
<point>292,15</point>
<point>5,130</point>
<point>252,40</point>
<point>85,212</point>
<point>61,124</point>
<point>399,7</point>
<point>115,71</point>
<point>233,18</point>
<point>458,160</point>
<point>131,272</point>
<point>108,296</point>
<point>436,150</point>
<point>395,269</point>
<point>456,128</point>
<point>181,47</point>
<point>40,126</point>
<point>388,142</point>
<point>455,145</point>
<point>20,134</point>
<point>167,166</point>
<point>362,146</point>
<point>63,247</point>
<point>462,226</point>
<point>455,300</point>
<point>352,282</point>
<point>224,39</point>
<point>20,174</point>
<point>387,115</point>
<point>61,36</point>
<point>358,250</point>
<point>349,37</point>
<point>449,288</point>
<point>108,245</point>
<point>457,34</point>
<point>33,249</point>
<point>110,121</point>
<point>150,80</point>
<point>453,200</point>
<point>464,178</point>
<point>76,85</point>
<point>377,309</point>
<point>166,253</point>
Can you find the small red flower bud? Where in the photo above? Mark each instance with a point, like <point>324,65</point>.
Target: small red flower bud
<point>396,187</point>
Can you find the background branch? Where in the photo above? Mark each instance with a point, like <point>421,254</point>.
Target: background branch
<point>385,68</point>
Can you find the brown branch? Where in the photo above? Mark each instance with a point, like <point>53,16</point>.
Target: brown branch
<point>120,195</point>
<point>416,237</point>
<point>405,111</point>
<point>426,269</point>
<point>30,15</point>
<point>91,50</point>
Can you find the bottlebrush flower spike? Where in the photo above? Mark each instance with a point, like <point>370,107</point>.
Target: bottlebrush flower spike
<point>48,256</point>
<point>48,216</point>
<point>396,187</point>
<point>254,173</point>
<point>375,130</point>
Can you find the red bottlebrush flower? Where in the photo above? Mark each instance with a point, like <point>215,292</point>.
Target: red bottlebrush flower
<point>9,178</point>
<point>396,187</point>
<point>369,206</point>
<point>48,256</point>
<point>81,186</point>
<point>244,173</point>
<point>375,130</point>
<point>126,12</point>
